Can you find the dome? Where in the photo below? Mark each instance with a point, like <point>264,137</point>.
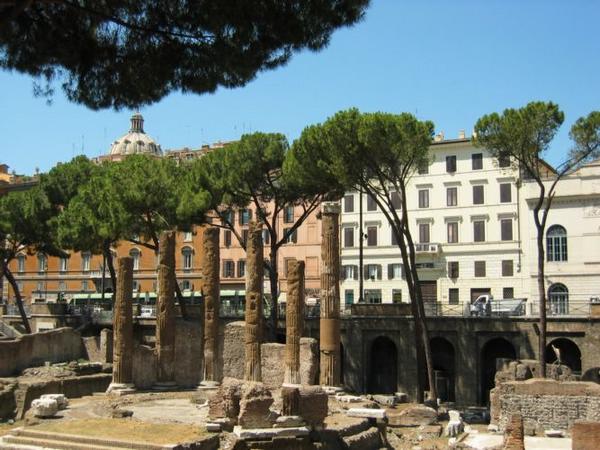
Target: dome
<point>136,141</point>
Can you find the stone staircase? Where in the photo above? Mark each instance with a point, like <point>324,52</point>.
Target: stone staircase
<point>29,439</point>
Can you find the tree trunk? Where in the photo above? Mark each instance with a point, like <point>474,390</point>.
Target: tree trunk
<point>274,282</point>
<point>111,269</point>
<point>542,294</point>
<point>180,299</point>
<point>11,279</point>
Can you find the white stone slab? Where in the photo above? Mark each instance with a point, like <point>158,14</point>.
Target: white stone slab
<point>44,407</point>
<point>61,400</point>
<point>268,433</point>
<point>369,413</point>
<point>349,398</point>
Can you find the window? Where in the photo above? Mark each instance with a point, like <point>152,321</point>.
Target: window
<point>188,256</point>
<point>135,254</point>
<point>507,268</point>
<point>558,294</point>
<point>371,236</point>
<point>503,159</point>
<point>556,244</point>
<point>453,296</point>
<point>396,200</point>
<point>423,198</point>
<point>228,269</point>
<point>348,237</point>
<point>21,263</point>
<point>40,287</point>
<point>372,271</point>
<point>241,268</point>
<point>42,262</point>
<point>186,285</point>
<point>394,239</point>
<point>453,269</point>
<point>63,264</point>
<point>505,193</point>
<point>480,268</point>
<point>187,236</point>
<point>62,286</point>
<point>266,236</point>
<point>452,232</point>
<point>508,292</point>
<point>423,168</point>
<point>245,216</point>
<point>84,285</point>
<point>477,161</point>
<point>506,231</point>
<point>288,214</point>
<point>228,217</point>
<point>371,205</point>
<point>86,260</point>
<point>245,233</point>
<point>396,295</point>
<point>349,203</point>
<point>424,233</point>
<point>394,271</point>
<point>478,195</point>
<point>349,272</point>
<point>292,238</point>
<point>136,285</point>
<point>478,231</point>
<point>452,196</point>
<point>227,238</point>
<point>451,164</point>
<point>373,295</point>
<point>348,297</point>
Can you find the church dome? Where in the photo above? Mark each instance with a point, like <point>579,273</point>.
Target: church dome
<point>136,141</point>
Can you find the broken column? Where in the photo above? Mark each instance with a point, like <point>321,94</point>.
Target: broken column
<point>165,313</point>
<point>330,297</point>
<point>122,380</point>
<point>210,292</point>
<point>254,295</point>
<point>294,321</point>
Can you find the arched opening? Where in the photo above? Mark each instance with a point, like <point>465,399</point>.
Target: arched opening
<point>558,299</point>
<point>442,353</point>
<point>570,355</point>
<point>383,367</point>
<point>493,350</point>
<point>187,261</point>
<point>556,244</point>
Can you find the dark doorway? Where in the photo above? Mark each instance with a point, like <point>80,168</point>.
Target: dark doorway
<point>570,355</point>
<point>442,353</point>
<point>429,291</point>
<point>383,367</point>
<point>493,350</point>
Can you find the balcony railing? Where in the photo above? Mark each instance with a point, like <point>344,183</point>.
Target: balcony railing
<point>427,248</point>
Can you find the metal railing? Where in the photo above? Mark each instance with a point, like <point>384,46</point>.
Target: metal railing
<point>564,307</point>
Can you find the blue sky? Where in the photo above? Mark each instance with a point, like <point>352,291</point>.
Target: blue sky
<point>445,61</point>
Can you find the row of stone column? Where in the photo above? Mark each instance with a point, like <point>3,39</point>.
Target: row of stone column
<point>165,310</point>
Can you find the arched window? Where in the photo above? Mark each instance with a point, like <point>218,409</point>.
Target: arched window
<point>42,262</point>
<point>188,257</point>
<point>556,243</point>
<point>135,254</point>
<point>558,296</point>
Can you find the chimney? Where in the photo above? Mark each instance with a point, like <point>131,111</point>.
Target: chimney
<point>439,137</point>
<point>461,134</point>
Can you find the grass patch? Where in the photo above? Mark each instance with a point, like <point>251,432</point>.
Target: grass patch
<point>126,430</point>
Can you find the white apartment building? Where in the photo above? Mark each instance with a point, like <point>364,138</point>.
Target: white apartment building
<point>464,217</point>
<point>471,217</point>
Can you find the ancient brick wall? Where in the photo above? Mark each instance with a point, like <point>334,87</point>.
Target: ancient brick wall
<point>547,403</point>
<point>60,345</point>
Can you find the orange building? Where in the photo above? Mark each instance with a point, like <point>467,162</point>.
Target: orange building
<point>42,278</point>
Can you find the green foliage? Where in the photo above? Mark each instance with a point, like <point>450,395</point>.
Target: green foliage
<point>126,53</point>
<point>585,134</point>
<point>523,134</point>
<point>63,181</point>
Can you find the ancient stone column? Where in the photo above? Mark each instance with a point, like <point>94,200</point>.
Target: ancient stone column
<point>254,297</point>
<point>165,313</point>
<point>122,381</point>
<point>330,297</point>
<point>210,291</point>
<point>294,321</point>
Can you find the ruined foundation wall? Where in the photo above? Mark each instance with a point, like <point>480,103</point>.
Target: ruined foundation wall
<point>29,350</point>
<point>547,403</point>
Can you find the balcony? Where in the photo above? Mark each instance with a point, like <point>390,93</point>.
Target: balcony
<point>428,248</point>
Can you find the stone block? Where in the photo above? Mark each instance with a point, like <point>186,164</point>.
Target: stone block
<point>44,407</point>
<point>313,405</point>
<point>387,400</point>
<point>414,416</point>
<point>366,440</point>
<point>454,415</point>
<point>401,397</point>
<point>349,398</point>
<point>454,428</point>
<point>585,435</point>
<point>268,433</point>
<point>554,433</point>
<point>213,427</point>
<point>61,400</point>
<point>367,413</point>
<point>289,421</point>
<point>255,402</point>
<point>226,401</point>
